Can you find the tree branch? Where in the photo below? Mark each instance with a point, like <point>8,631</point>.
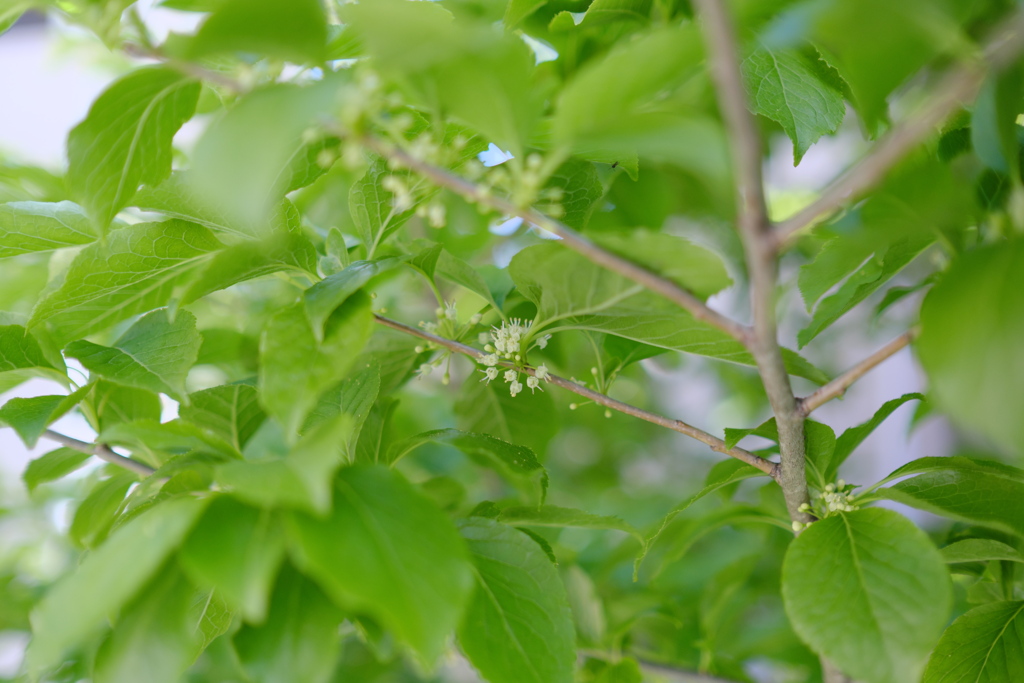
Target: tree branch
<point>570,238</point>
<point>839,385</point>
<point>959,87</point>
<point>756,233</point>
<point>670,672</point>
<point>767,466</point>
<point>101,451</point>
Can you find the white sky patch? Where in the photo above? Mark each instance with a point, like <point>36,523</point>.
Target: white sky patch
<point>507,227</point>
<point>493,156</point>
<point>542,52</point>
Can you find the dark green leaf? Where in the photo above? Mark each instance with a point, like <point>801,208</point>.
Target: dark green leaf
<point>980,550</point>
<point>986,645</point>
<point>125,140</point>
<point>386,552</point>
<point>154,354</point>
<point>518,627</point>
<point>888,594</point>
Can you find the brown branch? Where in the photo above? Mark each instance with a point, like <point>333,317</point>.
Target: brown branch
<point>840,384</point>
<point>756,233</point>
<point>959,87</point>
<point>716,444</point>
<point>101,451</point>
<point>570,238</point>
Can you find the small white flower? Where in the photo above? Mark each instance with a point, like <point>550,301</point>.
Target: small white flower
<point>542,343</point>
<point>450,310</point>
<point>511,376</point>
<point>533,383</point>
<point>515,388</point>
<point>542,373</point>
<point>475,319</point>
<point>425,370</point>
<point>490,360</point>
<point>490,374</point>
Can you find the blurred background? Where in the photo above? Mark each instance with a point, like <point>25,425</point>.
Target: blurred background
<point>49,75</point>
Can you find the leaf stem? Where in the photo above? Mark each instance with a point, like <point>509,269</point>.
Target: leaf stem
<point>959,87</point>
<point>101,451</point>
<point>756,233</point>
<point>840,384</point>
<point>570,238</point>
<point>767,466</point>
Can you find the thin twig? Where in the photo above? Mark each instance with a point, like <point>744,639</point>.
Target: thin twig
<point>958,88</point>
<point>570,238</point>
<point>101,451</point>
<point>840,384</point>
<point>188,68</point>
<point>716,444</point>
<point>756,233</point>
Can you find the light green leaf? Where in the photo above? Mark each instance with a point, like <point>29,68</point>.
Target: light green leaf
<point>854,436</point>
<point>888,594</point>
<point>22,357</point>
<point>325,296</point>
<point>979,550</point>
<point>53,466</point>
<point>574,293</point>
<point>518,627</point>
<point>153,639</point>
<point>353,396</point>
<point>980,491</point>
<point>784,86</point>
<point>27,227</point>
<point>721,475</point>
<point>136,271</point>
<point>177,197</point>
<point>125,140</point>
<point>588,610</point>
<point>971,326</point>
<point>209,617</point>
<point>994,122</point>
<point>106,580</point>
<point>691,266</point>
<point>986,645</point>
<point>299,640</point>
<point>235,550</point>
<point>30,417</point>
<point>230,412</point>
<point>518,463</point>
<point>517,10</point>
<point>154,354</point>
<point>96,514</point>
<point>387,552</point>
<point>373,208</point>
<point>454,269</point>
<point>295,30</point>
<point>581,189</point>
<point>295,369</point>
<point>488,408</point>
<point>108,404</point>
<point>616,11</point>
<point>554,516</point>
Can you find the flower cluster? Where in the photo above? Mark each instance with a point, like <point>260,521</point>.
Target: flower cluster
<point>506,343</point>
<point>447,326</point>
<point>834,499</point>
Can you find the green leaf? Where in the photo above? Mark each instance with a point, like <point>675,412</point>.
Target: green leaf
<point>624,671</point>
<point>31,416</point>
<point>153,639</point>
<point>154,354</point>
<point>295,30</point>
<point>241,163</point>
<point>162,441</point>
<point>325,296</point>
<point>981,491</point>
<point>53,466</point>
<point>986,645</point>
<point>462,67</point>
<point>22,357</point>
<point>136,271</point>
<point>518,463</point>
<point>574,293</point>
<point>518,626</point>
<point>125,140</point>
<point>230,412</point>
<point>888,594</point>
<point>96,514</point>
<point>581,190</point>
<point>783,85</point>
<point>994,122</point>
<point>971,326</point>
<point>27,227</point>
<point>106,580</point>
<point>721,475</point>
<point>209,617</point>
<point>979,550</point>
<point>353,396</point>
<point>295,369</point>
<point>387,552</point>
<point>517,10</point>
<point>109,404</point>
<point>554,516</point>
<point>454,269</point>
<point>300,480</point>
<point>373,207</point>
<point>298,641</point>
<point>488,408</point>
<point>854,436</point>
<point>692,267</point>
<point>177,197</point>
<point>235,550</point>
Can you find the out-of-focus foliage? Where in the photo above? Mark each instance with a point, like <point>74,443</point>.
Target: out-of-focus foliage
<point>339,500</point>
